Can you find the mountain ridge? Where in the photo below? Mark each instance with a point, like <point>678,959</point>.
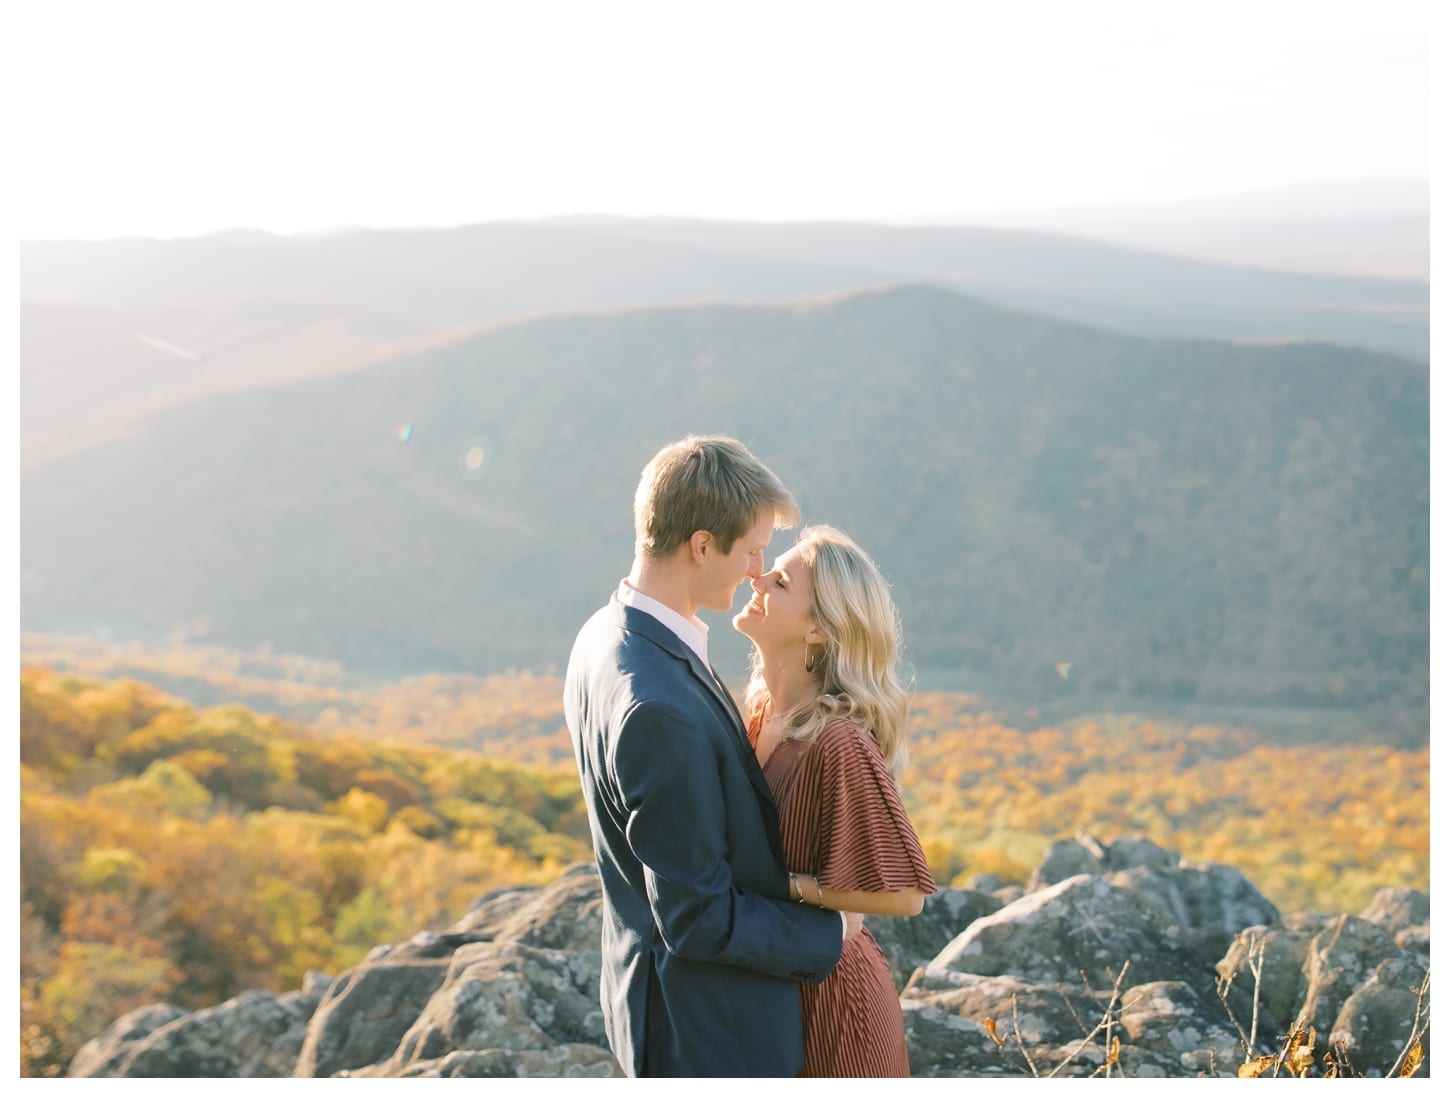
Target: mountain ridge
<point>1112,488</point>
<point>444,276</point>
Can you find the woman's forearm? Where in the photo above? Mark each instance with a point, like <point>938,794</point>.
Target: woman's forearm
<point>906,901</point>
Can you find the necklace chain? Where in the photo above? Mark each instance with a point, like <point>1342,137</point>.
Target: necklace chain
<point>770,714</point>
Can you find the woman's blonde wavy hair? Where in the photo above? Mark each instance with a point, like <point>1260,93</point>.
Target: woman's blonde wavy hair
<point>856,666</point>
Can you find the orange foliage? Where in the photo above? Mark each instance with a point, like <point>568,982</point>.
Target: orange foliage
<point>321,840</point>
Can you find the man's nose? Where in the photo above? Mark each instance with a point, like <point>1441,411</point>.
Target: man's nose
<point>754,568</point>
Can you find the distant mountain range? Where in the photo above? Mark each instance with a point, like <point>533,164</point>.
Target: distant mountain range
<point>1061,505</point>
<point>1363,228</point>
<point>421,280</point>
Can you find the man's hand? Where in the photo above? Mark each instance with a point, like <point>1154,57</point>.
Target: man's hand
<point>854,923</point>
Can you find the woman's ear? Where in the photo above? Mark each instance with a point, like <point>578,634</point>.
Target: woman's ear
<point>814,635</point>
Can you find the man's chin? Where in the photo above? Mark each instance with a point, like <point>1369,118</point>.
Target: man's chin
<point>725,605</point>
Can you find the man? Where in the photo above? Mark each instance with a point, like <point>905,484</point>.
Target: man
<point>702,947</point>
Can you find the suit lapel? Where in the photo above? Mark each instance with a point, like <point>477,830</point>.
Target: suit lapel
<point>640,622</point>
<point>710,679</point>
<point>742,741</point>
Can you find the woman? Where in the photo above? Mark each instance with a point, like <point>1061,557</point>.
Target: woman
<point>826,716</point>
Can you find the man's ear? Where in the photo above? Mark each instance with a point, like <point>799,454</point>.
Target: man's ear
<point>699,540</point>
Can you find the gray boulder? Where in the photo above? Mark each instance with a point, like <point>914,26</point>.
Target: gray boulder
<point>950,1017</point>
<point>996,982</point>
<point>1138,852</point>
<point>1080,930</point>
<point>254,1034</point>
<point>568,914</point>
<point>994,885</point>
<point>504,997</point>
<point>1279,955</point>
<point>1341,957</point>
<point>1345,977</point>
<point>559,1062</point>
<point>911,943</point>
<point>103,1056</point>
<point>1377,1019</point>
<point>1415,939</point>
<point>369,1007</point>
<point>1397,909</point>
<point>1211,902</point>
<point>1067,858</point>
<point>1171,1028</point>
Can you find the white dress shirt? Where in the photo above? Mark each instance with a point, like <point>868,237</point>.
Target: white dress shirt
<point>694,632</point>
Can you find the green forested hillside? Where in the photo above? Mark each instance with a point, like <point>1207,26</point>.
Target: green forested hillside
<point>1061,507</point>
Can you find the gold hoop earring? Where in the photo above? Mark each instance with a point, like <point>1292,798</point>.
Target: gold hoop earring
<point>813,660</point>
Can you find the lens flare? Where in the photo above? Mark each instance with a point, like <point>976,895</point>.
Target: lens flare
<point>404,431</point>
<point>168,348</point>
<point>475,459</point>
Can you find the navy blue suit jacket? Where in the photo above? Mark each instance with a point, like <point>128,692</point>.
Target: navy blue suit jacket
<point>702,947</point>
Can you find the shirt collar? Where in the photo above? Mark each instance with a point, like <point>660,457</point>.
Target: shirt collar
<point>694,632</point>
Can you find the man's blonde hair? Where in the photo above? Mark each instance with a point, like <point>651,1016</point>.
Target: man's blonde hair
<point>705,482</point>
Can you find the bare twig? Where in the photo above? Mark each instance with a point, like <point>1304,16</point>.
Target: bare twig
<point>1223,986</point>
<point>1103,1026</point>
<point>1336,1062</point>
<point>1072,1009</point>
<point>1110,1042</point>
<point>1417,1028</point>
<point>1017,1032</point>
<point>1249,1040</point>
<point>1256,966</point>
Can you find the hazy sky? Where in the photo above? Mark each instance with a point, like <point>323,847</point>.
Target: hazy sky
<point>160,118</point>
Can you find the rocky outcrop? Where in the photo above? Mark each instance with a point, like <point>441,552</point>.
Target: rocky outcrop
<point>511,988</point>
<point>1405,913</point>
<point>1119,959</point>
<point>911,943</point>
<point>110,1054</point>
<point>254,1035</point>
<point>506,1007</point>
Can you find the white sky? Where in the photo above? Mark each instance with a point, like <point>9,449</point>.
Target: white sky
<point>167,118</point>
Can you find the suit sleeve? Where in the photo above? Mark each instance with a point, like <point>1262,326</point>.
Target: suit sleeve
<point>669,780</point>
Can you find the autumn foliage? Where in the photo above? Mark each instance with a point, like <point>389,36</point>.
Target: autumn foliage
<point>176,853</point>
<point>183,855</point>
<point>1315,827</point>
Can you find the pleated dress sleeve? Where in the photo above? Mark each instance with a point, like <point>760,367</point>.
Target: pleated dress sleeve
<point>866,841</point>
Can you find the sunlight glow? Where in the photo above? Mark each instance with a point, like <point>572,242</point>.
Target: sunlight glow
<point>169,118</point>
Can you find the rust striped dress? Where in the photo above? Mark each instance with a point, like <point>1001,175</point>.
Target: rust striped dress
<point>842,820</point>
